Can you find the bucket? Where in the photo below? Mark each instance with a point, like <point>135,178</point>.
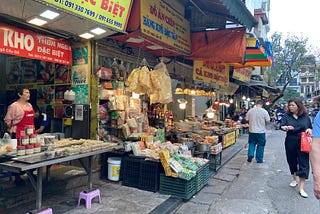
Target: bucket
<point>114,168</point>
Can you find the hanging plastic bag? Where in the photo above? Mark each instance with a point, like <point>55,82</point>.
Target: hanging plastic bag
<point>133,80</point>
<point>164,95</point>
<point>144,79</point>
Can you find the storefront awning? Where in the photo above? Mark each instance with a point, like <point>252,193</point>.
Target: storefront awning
<point>256,55</point>
<point>219,46</point>
<point>258,86</point>
<point>244,17</point>
<point>145,43</point>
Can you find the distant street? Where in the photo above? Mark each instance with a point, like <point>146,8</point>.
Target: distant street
<point>252,188</point>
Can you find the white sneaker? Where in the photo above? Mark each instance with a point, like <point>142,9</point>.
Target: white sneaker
<point>303,194</point>
<point>293,183</point>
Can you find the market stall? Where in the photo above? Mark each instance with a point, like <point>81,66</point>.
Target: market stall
<point>62,151</point>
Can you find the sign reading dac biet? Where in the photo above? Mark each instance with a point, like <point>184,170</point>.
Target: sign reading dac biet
<point>114,14</point>
<point>18,42</point>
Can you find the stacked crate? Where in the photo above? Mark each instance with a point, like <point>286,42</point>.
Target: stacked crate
<point>184,189</point>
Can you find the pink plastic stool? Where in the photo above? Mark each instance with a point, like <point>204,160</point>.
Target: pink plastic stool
<point>42,211</point>
<point>46,211</point>
<point>88,196</point>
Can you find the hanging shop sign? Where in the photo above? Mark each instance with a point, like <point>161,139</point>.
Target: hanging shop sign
<point>205,71</point>
<point>162,23</point>
<point>228,139</point>
<point>242,74</point>
<point>113,14</point>
<point>229,90</point>
<point>18,42</point>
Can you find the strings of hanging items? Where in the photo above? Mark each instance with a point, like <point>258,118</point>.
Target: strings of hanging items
<point>155,83</point>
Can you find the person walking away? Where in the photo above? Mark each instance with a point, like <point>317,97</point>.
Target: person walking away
<point>19,115</point>
<point>41,121</point>
<point>258,118</point>
<point>315,156</point>
<point>295,121</point>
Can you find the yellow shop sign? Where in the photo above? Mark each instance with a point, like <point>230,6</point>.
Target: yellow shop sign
<point>208,72</point>
<point>159,21</point>
<point>113,14</point>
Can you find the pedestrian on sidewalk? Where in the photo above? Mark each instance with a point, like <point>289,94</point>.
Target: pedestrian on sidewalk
<point>258,118</point>
<point>295,121</point>
<point>315,156</point>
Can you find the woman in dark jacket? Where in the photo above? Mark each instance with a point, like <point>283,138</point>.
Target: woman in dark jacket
<point>295,121</point>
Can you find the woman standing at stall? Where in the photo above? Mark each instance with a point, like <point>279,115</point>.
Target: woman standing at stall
<point>20,114</point>
<point>295,121</point>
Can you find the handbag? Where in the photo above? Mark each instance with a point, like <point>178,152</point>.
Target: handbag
<point>305,142</point>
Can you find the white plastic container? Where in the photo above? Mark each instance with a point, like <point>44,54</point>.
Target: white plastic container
<point>114,168</point>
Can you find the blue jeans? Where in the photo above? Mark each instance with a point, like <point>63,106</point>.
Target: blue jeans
<point>259,140</point>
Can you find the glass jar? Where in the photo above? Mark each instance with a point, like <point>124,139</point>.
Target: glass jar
<point>33,139</point>
<point>29,129</point>
<point>37,148</point>
<point>21,150</point>
<point>24,140</point>
<point>29,149</point>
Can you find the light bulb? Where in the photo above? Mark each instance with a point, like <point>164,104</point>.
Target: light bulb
<point>182,105</point>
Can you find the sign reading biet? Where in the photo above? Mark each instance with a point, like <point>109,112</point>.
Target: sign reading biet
<point>18,42</point>
<point>111,13</point>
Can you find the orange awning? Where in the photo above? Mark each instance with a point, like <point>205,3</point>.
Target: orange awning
<point>219,46</point>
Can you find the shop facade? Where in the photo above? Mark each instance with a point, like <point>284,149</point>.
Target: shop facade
<point>93,96</point>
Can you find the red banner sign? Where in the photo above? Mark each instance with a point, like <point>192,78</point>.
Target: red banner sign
<point>18,42</point>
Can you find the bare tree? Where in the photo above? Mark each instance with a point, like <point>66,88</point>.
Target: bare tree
<point>289,54</point>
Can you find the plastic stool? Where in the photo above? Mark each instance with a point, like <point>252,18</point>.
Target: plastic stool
<point>88,196</point>
<point>46,211</point>
<point>42,211</point>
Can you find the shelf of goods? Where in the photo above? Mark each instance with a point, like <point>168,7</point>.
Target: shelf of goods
<point>182,188</point>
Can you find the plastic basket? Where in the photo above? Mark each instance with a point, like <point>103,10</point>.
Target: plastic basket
<point>215,161</point>
<point>141,174</point>
<point>202,176</point>
<point>130,171</point>
<point>149,175</point>
<point>177,187</point>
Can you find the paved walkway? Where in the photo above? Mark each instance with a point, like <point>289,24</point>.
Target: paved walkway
<point>252,188</point>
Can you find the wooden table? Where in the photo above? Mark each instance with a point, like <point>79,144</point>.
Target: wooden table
<point>18,167</point>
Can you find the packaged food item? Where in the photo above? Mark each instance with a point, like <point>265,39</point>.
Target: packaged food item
<point>40,139</point>
<point>29,149</point>
<point>21,150</point>
<point>37,148</point>
<point>33,139</point>
<point>24,140</point>
<point>29,129</point>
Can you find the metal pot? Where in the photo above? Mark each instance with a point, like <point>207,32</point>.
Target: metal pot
<point>203,147</point>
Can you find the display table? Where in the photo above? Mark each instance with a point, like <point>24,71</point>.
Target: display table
<point>18,167</point>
